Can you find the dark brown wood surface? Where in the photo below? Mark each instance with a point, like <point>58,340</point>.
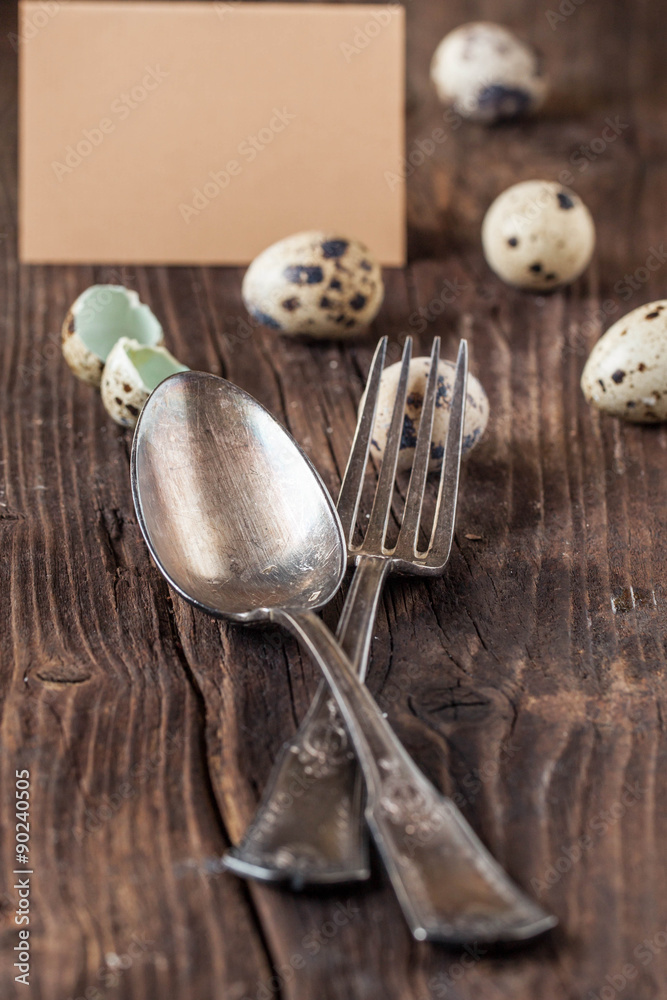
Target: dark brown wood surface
<point>530,680</point>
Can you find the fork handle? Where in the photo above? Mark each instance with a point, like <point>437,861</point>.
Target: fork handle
<point>309,827</point>
<point>449,886</point>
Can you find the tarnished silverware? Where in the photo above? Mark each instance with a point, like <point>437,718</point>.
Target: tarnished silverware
<point>308,828</point>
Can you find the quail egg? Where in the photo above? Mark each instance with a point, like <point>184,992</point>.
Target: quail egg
<point>626,372</point>
<point>476,413</point>
<point>538,235</point>
<point>99,317</point>
<point>314,283</point>
<point>487,74</point>
<point>130,374</point>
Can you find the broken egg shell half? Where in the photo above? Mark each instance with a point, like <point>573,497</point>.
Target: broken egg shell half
<point>96,320</point>
<point>538,235</point>
<point>476,413</point>
<point>626,372</point>
<point>487,74</point>
<point>314,284</point>
<point>131,373</point>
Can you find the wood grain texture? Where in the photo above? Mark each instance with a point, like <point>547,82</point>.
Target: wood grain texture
<point>529,682</point>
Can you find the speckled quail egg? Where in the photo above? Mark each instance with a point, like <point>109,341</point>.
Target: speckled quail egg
<point>99,317</point>
<point>476,414</point>
<point>131,373</point>
<point>626,373</point>
<point>487,74</point>
<point>314,283</point>
<point>538,235</point>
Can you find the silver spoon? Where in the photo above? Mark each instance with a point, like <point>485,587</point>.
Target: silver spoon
<point>240,524</point>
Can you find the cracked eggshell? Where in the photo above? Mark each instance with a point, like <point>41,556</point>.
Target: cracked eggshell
<point>316,284</point>
<point>487,74</point>
<point>94,323</point>
<point>626,372</point>
<point>131,373</point>
<point>538,235</point>
<point>476,415</point>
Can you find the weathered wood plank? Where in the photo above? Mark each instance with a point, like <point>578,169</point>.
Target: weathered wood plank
<point>527,682</point>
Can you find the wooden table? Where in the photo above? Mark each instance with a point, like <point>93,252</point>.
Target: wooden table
<point>530,679</point>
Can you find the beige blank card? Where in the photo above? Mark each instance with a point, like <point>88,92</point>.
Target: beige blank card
<point>182,133</point>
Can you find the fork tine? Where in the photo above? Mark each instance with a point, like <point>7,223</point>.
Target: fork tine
<point>406,546</point>
<point>379,518</point>
<point>442,534</point>
<point>351,487</point>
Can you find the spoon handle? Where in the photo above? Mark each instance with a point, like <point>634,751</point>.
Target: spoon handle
<point>448,885</point>
<point>309,827</point>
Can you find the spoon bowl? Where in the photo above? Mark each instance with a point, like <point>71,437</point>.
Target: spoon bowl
<point>234,514</point>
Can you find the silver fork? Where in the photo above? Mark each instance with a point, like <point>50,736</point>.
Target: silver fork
<point>309,826</point>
